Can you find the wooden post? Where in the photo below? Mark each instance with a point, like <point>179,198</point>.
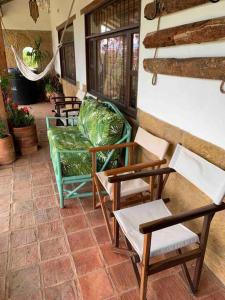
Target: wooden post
<point>3,71</point>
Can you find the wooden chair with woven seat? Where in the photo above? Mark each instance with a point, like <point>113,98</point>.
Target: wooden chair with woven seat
<point>134,190</point>
<point>151,230</point>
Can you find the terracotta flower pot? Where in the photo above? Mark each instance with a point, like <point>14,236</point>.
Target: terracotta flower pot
<point>26,139</point>
<point>7,151</point>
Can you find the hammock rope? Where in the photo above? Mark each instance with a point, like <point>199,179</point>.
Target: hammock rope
<point>24,69</point>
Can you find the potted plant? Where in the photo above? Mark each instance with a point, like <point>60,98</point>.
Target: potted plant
<point>23,128</point>
<point>53,87</point>
<point>37,55</point>
<point>7,151</point>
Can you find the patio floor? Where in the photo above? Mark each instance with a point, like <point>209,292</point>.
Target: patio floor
<point>49,253</point>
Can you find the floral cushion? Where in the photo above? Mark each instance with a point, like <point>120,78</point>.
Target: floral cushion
<point>70,138</point>
<point>100,124</point>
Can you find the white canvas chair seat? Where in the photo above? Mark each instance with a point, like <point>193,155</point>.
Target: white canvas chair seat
<point>128,188</point>
<point>163,241</point>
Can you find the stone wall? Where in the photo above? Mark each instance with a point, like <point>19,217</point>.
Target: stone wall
<point>69,89</point>
<point>25,38</point>
<point>185,196</point>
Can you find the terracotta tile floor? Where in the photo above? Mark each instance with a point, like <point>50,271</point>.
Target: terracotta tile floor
<point>48,253</point>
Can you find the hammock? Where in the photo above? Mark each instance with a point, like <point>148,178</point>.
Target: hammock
<point>25,70</point>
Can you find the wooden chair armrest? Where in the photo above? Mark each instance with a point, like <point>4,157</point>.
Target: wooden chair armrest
<point>70,109</point>
<point>149,227</point>
<point>136,167</point>
<point>125,177</point>
<point>68,103</point>
<point>64,97</point>
<point>111,147</point>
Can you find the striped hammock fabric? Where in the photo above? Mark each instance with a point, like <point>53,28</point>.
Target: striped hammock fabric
<point>27,72</point>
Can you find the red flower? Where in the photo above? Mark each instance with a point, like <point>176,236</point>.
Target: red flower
<point>26,110</point>
<point>14,106</point>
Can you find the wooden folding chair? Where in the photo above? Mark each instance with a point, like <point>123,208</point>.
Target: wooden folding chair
<point>151,230</point>
<point>138,187</point>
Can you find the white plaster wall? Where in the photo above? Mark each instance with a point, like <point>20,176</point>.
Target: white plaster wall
<point>16,15</point>
<point>194,105</point>
<point>59,14</point>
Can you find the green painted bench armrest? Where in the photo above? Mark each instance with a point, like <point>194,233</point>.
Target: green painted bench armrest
<point>70,151</point>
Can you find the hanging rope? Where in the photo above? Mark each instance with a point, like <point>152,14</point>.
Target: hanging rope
<point>159,7</point>
<point>24,69</point>
<point>222,87</point>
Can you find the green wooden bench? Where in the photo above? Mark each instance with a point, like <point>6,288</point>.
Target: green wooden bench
<point>98,124</point>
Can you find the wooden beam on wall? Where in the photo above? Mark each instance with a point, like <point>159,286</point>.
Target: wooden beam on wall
<point>203,67</point>
<point>172,6</point>
<point>198,32</point>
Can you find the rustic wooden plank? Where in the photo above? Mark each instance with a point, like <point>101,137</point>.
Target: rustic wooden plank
<point>198,32</point>
<point>171,6</point>
<point>203,67</point>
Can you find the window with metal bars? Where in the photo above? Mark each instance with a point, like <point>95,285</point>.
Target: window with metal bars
<point>112,40</point>
<point>67,55</point>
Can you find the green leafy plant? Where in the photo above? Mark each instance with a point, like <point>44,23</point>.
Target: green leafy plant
<point>2,130</point>
<point>37,55</point>
<point>4,84</point>
<point>53,84</point>
<point>19,117</point>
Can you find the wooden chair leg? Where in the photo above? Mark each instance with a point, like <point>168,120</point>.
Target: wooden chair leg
<point>203,244</point>
<point>94,193</point>
<point>108,225</point>
<point>116,206</point>
<point>144,266</point>
<point>134,260</point>
<point>102,204</point>
<point>186,272</point>
<point>116,234</point>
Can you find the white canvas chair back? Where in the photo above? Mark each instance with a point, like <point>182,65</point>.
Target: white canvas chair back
<point>80,95</point>
<point>207,177</point>
<point>151,143</point>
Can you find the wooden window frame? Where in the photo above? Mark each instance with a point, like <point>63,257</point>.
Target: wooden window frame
<point>129,31</point>
<point>61,52</point>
